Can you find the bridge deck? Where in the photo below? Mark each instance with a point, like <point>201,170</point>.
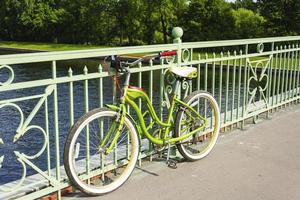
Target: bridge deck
<point>259,163</point>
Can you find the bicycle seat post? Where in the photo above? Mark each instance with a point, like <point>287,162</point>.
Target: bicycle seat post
<point>127,78</point>
<point>177,88</point>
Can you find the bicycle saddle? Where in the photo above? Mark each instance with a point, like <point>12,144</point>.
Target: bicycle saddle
<point>184,72</point>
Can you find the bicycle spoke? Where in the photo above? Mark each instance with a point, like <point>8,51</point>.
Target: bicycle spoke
<point>201,142</point>
<point>103,170</point>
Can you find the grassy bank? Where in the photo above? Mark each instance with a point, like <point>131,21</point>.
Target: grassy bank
<point>276,62</point>
<point>46,46</point>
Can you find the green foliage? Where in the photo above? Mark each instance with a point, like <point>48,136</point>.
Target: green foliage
<point>208,20</point>
<point>247,4</point>
<point>46,46</point>
<point>87,21</point>
<point>282,16</point>
<point>139,22</point>
<point>36,19</point>
<point>247,23</point>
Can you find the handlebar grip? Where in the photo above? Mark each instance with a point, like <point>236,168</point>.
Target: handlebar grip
<point>168,53</point>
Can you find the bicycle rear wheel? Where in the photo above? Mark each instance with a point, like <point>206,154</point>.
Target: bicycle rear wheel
<point>202,142</point>
<point>86,165</point>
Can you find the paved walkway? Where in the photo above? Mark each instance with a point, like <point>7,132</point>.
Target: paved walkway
<point>260,163</point>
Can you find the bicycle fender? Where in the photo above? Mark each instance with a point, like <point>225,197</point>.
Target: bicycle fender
<point>113,107</point>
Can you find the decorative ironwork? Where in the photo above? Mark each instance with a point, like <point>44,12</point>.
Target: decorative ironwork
<point>23,128</point>
<point>260,47</point>
<point>186,55</point>
<point>185,85</point>
<point>170,59</point>
<point>169,81</point>
<point>11,75</point>
<point>257,84</point>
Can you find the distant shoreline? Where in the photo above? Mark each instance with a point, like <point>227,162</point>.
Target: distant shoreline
<point>32,47</point>
<point>11,50</point>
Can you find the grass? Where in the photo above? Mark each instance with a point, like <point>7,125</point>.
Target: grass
<point>279,62</point>
<point>65,47</point>
<point>46,46</point>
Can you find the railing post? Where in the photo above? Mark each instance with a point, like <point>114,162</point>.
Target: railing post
<point>177,33</point>
<point>56,128</point>
<point>270,71</point>
<point>245,99</point>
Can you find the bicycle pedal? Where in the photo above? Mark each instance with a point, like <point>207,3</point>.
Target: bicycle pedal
<point>172,164</point>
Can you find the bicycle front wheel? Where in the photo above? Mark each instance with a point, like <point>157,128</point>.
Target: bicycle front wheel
<point>86,164</point>
<point>202,142</point>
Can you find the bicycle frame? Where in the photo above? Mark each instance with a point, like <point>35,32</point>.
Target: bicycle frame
<point>167,126</point>
<point>129,97</point>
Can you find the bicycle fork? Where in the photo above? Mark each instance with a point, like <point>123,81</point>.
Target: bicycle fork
<point>113,129</point>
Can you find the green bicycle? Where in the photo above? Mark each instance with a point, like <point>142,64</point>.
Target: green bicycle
<point>103,146</point>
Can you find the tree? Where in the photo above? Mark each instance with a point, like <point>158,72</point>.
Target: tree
<point>30,19</point>
<point>247,23</point>
<point>135,22</point>
<point>208,20</point>
<point>167,15</point>
<point>159,17</point>
<point>88,21</point>
<point>128,21</point>
<point>9,19</point>
<point>281,16</point>
<point>248,4</point>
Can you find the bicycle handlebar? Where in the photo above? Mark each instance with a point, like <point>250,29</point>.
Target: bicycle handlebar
<point>168,53</point>
<point>120,66</point>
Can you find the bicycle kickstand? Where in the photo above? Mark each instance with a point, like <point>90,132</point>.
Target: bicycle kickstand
<point>170,162</point>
